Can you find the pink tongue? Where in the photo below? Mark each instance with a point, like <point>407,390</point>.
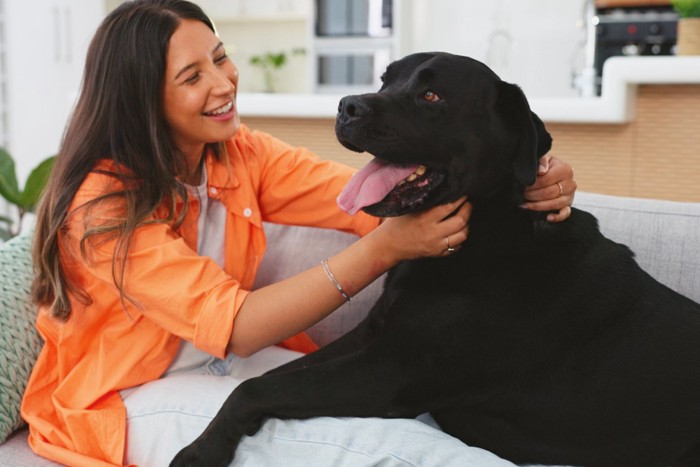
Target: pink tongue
<point>371,184</point>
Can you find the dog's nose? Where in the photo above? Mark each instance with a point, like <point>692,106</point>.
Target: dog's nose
<point>352,107</point>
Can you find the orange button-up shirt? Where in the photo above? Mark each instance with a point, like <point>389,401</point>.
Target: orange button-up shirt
<point>71,403</point>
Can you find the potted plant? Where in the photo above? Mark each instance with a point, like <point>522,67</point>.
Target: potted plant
<point>25,200</point>
<point>688,26</point>
<point>270,63</point>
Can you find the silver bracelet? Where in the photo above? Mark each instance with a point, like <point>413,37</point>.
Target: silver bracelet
<point>331,277</point>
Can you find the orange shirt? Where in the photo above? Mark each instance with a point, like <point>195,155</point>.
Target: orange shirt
<point>71,403</point>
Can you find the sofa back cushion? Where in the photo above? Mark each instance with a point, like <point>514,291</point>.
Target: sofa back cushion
<point>664,235</point>
<point>292,249</point>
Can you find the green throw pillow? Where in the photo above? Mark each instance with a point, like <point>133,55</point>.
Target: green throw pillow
<point>19,341</point>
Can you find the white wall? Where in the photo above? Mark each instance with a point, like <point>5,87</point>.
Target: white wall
<point>46,42</point>
<point>533,43</point>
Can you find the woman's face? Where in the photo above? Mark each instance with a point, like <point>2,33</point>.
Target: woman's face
<point>199,90</point>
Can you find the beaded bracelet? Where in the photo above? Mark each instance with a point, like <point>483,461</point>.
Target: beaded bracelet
<point>331,277</point>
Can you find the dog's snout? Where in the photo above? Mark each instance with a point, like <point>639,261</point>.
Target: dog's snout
<point>352,107</point>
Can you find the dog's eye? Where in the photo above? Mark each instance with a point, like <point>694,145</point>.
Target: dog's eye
<point>430,96</point>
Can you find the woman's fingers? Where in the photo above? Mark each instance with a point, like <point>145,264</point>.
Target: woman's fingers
<point>559,216</point>
<point>553,190</point>
<point>442,211</point>
<point>457,229</point>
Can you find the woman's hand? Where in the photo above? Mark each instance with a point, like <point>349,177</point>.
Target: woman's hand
<point>427,233</point>
<point>553,190</point>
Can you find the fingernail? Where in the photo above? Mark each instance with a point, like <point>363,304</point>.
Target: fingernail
<point>542,168</point>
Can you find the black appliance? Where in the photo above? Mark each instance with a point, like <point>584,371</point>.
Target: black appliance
<point>369,18</point>
<point>353,44</point>
<point>633,32</point>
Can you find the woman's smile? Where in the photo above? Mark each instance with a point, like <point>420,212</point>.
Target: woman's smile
<point>224,112</point>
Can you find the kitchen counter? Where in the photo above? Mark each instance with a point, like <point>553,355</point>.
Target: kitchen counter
<point>617,104</point>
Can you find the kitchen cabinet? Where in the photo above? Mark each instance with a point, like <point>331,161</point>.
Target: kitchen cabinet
<point>630,3</point>
<point>252,11</point>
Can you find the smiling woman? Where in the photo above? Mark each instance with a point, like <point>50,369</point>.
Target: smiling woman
<point>149,238</point>
<point>199,93</point>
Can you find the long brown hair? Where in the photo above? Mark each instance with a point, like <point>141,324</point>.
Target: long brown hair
<point>119,116</point>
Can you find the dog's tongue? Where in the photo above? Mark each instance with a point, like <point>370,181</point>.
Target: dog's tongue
<point>371,184</point>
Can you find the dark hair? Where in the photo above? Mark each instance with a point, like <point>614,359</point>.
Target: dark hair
<point>119,116</point>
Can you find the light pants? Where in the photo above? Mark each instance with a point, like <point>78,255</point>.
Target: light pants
<point>164,416</point>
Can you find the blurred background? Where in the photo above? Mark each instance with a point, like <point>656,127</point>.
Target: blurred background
<point>554,49</point>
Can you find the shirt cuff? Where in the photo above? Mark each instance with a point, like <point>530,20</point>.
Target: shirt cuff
<point>213,331</point>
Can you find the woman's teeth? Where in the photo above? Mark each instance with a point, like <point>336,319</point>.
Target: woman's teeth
<point>420,170</point>
<point>221,110</point>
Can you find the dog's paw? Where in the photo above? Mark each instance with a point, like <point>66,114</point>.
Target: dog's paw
<point>195,455</point>
<point>187,457</point>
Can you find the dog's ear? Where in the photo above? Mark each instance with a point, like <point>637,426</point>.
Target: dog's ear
<point>533,139</point>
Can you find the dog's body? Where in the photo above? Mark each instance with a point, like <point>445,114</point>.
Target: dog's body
<point>543,343</point>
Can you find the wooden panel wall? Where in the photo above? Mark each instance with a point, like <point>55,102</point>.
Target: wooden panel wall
<point>655,156</point>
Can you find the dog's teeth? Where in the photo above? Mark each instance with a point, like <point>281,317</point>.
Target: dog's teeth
<point>401,183</point>
<point>411,177</point>
<point>420,170</point>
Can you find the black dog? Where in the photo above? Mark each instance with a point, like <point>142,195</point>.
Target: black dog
<point>543,343</point>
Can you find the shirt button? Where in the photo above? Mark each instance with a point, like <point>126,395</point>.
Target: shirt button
<point>247,212</point>
<point>213,191</point>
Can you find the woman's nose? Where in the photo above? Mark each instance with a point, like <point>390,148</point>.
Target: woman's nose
<point>224,82</point>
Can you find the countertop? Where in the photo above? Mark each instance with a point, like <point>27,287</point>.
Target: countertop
<point>615,105</point>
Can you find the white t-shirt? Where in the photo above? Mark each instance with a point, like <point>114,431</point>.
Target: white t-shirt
<point>211,231</point>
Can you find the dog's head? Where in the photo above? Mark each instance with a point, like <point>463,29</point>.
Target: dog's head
<point>440,127</point>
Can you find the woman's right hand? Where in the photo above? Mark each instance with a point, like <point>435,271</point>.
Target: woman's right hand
<point>426,234</point>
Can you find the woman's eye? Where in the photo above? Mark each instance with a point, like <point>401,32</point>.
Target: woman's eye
<point>430,96</point>
<point>221,58</point>
<point>192,79</point>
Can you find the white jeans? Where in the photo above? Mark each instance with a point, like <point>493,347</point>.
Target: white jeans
<point>165,415</point>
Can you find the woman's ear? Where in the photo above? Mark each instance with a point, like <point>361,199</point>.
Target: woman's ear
<point>532,138</point>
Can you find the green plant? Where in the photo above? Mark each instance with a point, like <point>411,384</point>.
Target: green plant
<point>270,63</point>
<point>687,8</point>
<point>26,199</point>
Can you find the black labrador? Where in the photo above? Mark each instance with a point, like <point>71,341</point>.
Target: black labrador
<point>543,343</point>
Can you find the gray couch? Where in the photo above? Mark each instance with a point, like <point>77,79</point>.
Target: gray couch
<point>664,235</point>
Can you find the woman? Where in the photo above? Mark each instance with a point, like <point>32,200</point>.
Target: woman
<point>149,236</point>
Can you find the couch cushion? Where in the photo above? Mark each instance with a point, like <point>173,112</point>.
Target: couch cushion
<point>19,341</point>
<point>664,235</point>
<point>15,452</point>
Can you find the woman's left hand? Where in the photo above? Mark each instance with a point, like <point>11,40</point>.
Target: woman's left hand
<point>553,190</point>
